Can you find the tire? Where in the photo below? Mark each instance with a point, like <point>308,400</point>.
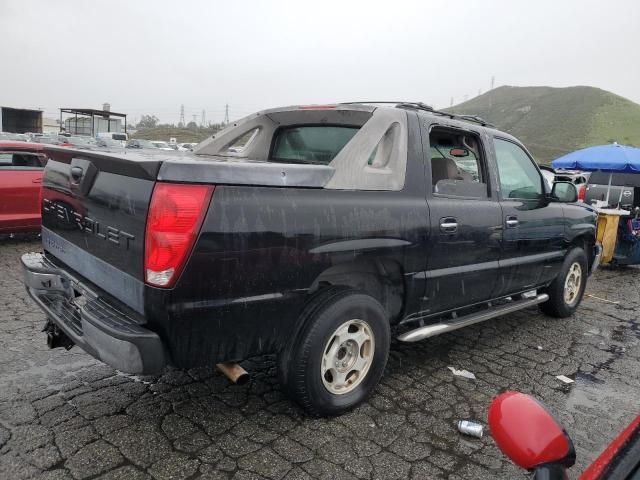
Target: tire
<point>564,295</point>
<point>337,357</point>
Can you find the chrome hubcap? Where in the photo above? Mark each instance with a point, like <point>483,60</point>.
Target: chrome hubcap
<point>347,356</point>
<point>572,284</point>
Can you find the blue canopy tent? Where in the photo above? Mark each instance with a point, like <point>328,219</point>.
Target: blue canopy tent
<point>607,158</point>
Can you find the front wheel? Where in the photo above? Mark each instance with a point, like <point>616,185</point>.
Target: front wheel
<point>566,291</point>
<point>339,354</point>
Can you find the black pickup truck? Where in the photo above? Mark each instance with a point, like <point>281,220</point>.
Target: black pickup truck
<point>311,232</point>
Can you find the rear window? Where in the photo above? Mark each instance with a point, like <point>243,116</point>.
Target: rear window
<point>310,144</point>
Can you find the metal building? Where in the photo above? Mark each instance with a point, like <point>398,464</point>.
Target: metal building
<point>87,121</point>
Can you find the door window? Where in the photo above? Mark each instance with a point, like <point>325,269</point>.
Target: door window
<point>519,177</point>
<point>456,164</point>
<point>21,161</point>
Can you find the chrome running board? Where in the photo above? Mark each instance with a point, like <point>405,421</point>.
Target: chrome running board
<point>454,324</point>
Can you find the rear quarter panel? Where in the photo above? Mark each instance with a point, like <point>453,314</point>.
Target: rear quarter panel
<point>259,253</point>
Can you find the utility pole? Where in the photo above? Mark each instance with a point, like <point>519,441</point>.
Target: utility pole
<point>202,118</point>
<point>195,118</point>
<point>226,114</point>
<point>182,114</point>
<point>451,104</point>
<point>493,81</point>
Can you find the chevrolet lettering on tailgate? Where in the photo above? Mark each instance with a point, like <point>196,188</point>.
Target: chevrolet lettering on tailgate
<point>87,224</point>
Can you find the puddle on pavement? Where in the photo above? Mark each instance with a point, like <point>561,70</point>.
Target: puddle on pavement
<point>589,392</point>
<point>626,332</point>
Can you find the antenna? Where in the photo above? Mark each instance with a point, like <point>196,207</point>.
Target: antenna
<point>226,114</point>
<point>182,114</point>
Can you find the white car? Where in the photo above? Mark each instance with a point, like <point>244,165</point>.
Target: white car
<point>178,147</point>
<point>161,145</point>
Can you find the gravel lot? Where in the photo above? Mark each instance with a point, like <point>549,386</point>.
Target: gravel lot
<point>64,415</point>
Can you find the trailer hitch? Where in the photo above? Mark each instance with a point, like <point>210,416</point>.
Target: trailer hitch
<point>56,337</point>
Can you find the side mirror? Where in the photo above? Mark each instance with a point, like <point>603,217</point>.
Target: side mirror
<point>564,192</point>
<point>528,434</point>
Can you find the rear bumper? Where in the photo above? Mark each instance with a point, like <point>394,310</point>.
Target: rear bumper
<point>94,324</point>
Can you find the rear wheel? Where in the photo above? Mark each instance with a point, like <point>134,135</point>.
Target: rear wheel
<point>339,354</point>
<point>566,291</point>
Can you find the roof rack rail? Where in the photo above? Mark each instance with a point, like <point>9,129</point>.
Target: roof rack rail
<point>454,116</point>
<point>476,119</point>
<point>391,102</point>
<point>426,108</point>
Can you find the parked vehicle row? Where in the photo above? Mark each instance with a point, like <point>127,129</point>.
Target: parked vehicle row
<point>160,145</point>
<point>309,232</point>
<point>102,140</point>
<point>18,137</point>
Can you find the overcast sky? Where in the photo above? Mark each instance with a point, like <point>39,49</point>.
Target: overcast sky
<point>148,57</point>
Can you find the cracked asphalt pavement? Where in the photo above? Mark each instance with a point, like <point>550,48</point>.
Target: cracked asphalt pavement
<point>64,415</point>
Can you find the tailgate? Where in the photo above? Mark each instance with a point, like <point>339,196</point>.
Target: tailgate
<point>94,211</point>
<point>618,195</point>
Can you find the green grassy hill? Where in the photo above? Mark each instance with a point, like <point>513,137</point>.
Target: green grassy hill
<point>554,121</point>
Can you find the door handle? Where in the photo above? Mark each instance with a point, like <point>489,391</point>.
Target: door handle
<point>512,221</point>
<point>36,180</point>
<point>448,225</point>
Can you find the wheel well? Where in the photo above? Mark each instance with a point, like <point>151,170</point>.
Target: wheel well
<point>586,243</point>
<point>380,278</point>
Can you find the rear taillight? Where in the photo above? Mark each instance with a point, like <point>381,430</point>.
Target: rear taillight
<point>582,191</point>
<point>173,222</point>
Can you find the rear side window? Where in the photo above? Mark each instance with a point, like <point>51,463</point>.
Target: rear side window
<point>310,144</point>
<point>21,161</point>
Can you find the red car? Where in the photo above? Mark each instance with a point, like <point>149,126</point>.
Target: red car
<point>21,165</point>
<point>533,440</point>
